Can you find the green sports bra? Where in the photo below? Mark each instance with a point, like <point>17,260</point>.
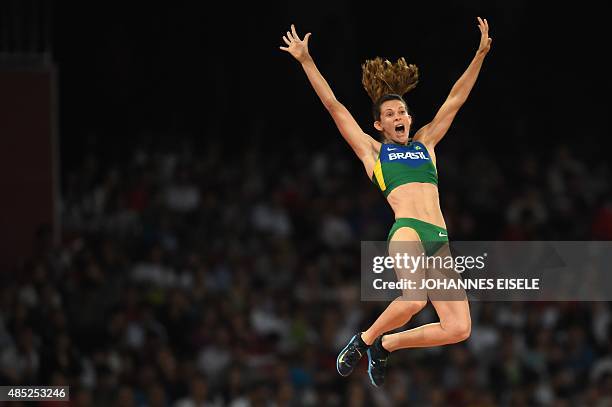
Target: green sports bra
<point>398,165</point>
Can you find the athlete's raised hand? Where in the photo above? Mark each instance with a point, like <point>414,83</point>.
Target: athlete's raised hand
<point>485,40</point>
<point>295,46</point>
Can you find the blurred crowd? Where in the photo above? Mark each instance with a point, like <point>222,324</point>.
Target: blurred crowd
<point>215,276</point>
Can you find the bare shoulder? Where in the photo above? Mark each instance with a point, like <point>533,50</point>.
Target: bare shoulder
<point>369,159</point>
<point>373,150</point>
<point>422,137</point>
<point>421,134</point>
<point>376,145</point>
<point>429,146</point>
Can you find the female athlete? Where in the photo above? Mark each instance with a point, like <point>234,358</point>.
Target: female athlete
<point>404,169</point>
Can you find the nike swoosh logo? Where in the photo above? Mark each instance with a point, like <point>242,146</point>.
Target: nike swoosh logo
<point>442,235</point>
<point>391,149</point>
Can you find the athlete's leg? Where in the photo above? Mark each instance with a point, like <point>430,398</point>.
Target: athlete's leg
<point>453,310</point>
<point>401,309</point>
<point>454,326</point>
<point>397,314</point>
<point>404,242</point>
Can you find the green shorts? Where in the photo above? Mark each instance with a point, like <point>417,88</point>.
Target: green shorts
<point>432,237</point>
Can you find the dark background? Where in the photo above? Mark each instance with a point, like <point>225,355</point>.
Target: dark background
<point>130,69</point>
<point>207,243</point>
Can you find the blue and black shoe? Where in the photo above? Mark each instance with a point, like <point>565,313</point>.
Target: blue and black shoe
<point>350,355</point>
<point>377,362</point>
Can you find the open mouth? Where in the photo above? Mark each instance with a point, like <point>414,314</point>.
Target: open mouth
<point>399,129</point>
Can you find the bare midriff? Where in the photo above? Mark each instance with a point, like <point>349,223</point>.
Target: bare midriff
<point>417,200</point>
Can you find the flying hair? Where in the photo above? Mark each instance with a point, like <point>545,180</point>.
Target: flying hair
<point>381,77</point>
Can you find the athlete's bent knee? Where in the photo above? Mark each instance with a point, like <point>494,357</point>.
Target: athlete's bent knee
<point>464,331</point>
<point>459,331</point>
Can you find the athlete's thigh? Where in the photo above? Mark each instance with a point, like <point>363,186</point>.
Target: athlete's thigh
<point>448,298</point>
<point>452,311</point>
<point>406,247</point>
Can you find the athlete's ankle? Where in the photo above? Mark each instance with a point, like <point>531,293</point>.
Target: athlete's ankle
<point>366,342</point>
<point>384,344</point>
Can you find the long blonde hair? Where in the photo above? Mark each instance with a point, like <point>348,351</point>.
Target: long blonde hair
<point>384,80</point>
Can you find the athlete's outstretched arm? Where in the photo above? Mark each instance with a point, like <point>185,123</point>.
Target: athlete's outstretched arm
<point>433,132</point>
<point>360,142</point>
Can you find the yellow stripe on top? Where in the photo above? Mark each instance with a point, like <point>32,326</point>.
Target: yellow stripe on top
<point>379,175</point>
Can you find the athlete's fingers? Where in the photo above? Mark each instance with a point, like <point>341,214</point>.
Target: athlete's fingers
<point>297,37</point>
<point>286,40</point>
<point>306,38</point>
<point>289,36</point>
<point>486,24</point>
<point>284,49</point>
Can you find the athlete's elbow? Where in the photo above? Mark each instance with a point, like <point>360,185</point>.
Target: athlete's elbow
<point>454,101</point>
<point>332,105</point>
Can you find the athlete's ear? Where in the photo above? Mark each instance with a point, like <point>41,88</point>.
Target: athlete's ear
<point>377,126</point>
